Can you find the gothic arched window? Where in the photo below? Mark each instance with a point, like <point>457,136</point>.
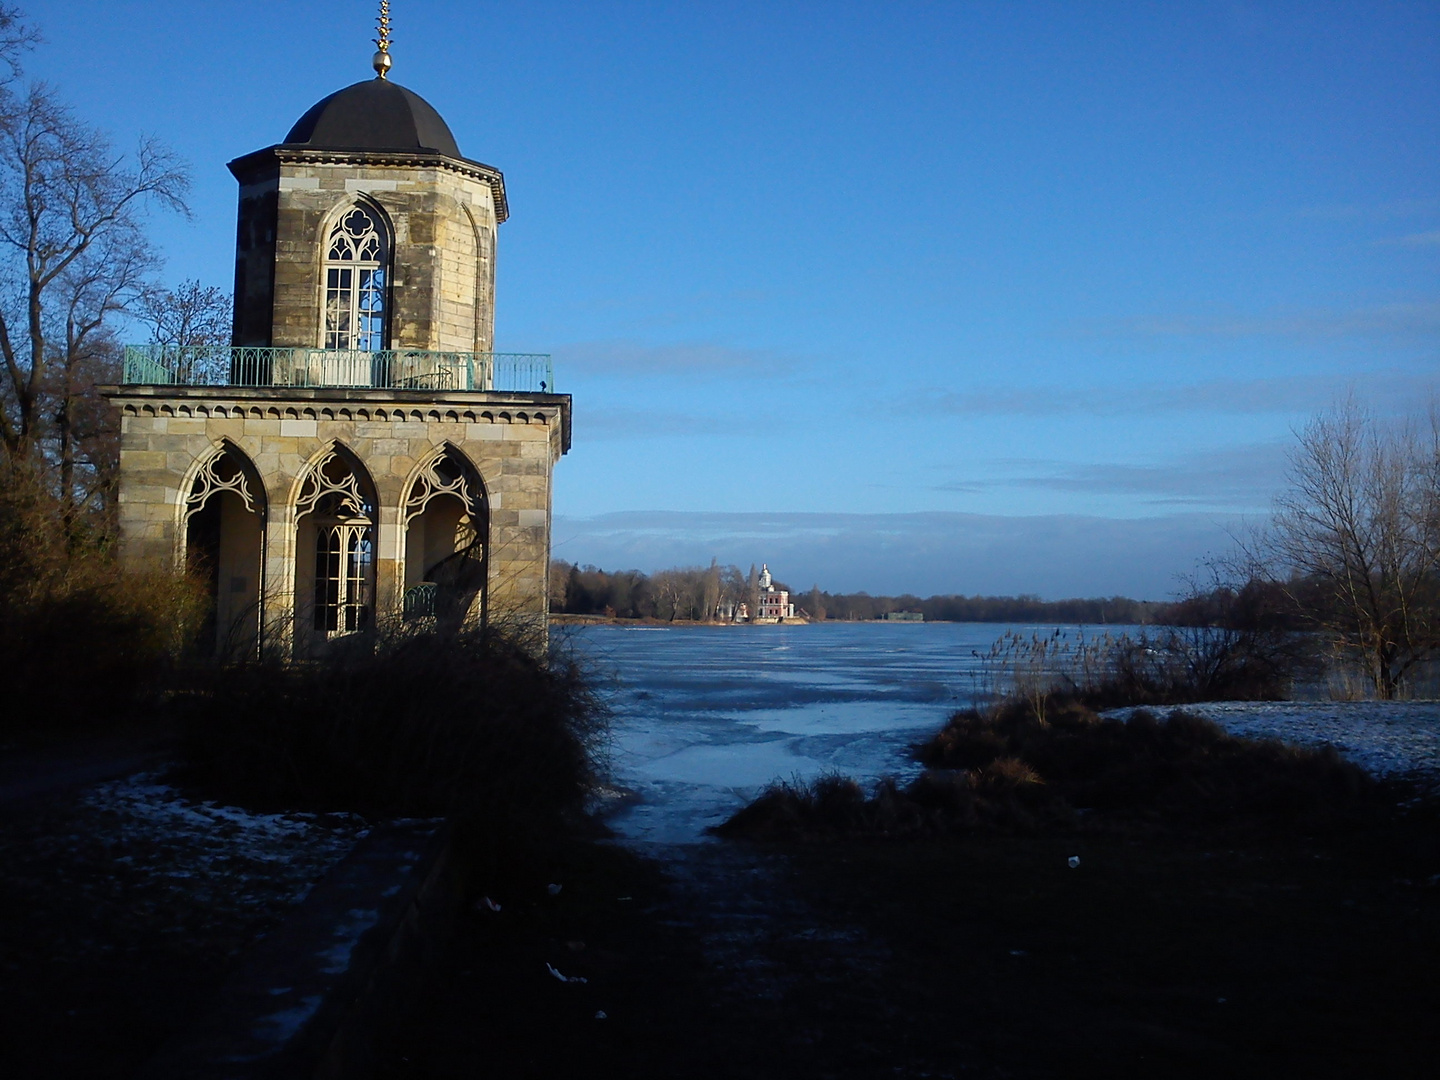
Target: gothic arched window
<point>357,261</point>
<point>335,514</point>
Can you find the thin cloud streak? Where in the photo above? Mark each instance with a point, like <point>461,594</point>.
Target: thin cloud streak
<point>1386,211</point>
<point>1414,240</point>
<point>607,424</point>
<point>1402,318</point>
<point>1389,389</point>
<point>1243,478</point>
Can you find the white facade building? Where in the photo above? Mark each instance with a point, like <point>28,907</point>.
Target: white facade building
<point>774,603</point>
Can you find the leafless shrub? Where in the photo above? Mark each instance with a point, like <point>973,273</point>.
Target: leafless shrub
<point>83,642</point>
<point>1355,539</point>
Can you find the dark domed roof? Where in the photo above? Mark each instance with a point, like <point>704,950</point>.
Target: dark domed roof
<point>373,115</point>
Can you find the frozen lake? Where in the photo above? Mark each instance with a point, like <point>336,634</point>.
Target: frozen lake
<point>707,716</point>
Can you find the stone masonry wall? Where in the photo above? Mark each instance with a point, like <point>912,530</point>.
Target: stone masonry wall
<point>512,440</point>
<point>443,282</point>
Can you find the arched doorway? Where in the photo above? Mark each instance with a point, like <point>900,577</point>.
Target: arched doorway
<point>224,529</point>
<point>447,529</point>
<point>334,551</point>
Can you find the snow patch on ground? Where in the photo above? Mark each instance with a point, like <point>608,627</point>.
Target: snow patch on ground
<point>280,1027</point>
<point>131,879</point>
<point>144,862</point>
<point>217,855</point>
<point>1386,738</point>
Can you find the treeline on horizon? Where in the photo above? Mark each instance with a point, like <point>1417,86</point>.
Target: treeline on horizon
<point>703,593</point>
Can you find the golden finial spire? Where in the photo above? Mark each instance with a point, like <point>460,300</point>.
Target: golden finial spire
<point>381,60</point>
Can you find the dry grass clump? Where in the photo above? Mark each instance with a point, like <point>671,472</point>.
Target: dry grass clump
<point>1005,796</point>
<point>1182,768</point>
<point>1008,770</point>
<point>83,642</point>
<point>457,723</point>
<point>1158,666</point>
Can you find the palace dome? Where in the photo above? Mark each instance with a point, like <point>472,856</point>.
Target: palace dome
<point>374,115</point>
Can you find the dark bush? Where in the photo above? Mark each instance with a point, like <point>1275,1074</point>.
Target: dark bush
<point>1179,665</point>
<point>1007,796</point>
<point>1008,771</point>
<point>1182,768</point>
<point>460,724</point>
<point>83,643</point>
<point>1173,665</point>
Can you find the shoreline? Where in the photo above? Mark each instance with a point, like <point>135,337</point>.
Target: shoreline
<point>616,620</point>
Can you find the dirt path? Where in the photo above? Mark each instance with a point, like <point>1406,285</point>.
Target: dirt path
<point>123,904</point>
<point>706,961</point>
<point>991,957</point>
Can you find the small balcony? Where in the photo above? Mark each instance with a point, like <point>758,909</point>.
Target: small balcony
<point>389,369</point>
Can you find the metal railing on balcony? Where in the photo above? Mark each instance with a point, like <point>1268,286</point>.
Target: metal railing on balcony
<point>390,369</point>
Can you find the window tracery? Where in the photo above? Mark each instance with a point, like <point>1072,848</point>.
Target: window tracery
<point>444,476</point>
<point>357,258</point>
<point>344,514</point>
<point>333,490</point>
<point>220,473</point>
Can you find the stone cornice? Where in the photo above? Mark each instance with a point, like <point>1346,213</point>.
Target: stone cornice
<point>272,157</point>
<point>345,404</point>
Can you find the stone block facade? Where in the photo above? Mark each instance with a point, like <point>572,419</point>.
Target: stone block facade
<point>511,441</point>
<point>442,214</point>
<point>355,463</point>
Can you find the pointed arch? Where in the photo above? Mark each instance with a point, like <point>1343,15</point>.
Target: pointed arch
<point>357,249</point>
<point>445,522</point>
<point>335,483</point>
<point>224,467</point>
<point>483,300</point>
<point>223,517</point>
<point>336,516</point>
<point>447,470</point>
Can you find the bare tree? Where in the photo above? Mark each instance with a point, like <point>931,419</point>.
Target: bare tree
<point>817,603</point>
<point>84,353</point>
<point>16,37</point>
<point>72,252</point>
<point>710,591</point>
<point>672,590</point>
<point>191,322</point>
<point>559,579</point>
<point>1358,531</point>
<point>732,590</point>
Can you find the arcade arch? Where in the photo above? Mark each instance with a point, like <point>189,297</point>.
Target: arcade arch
<point>223,524</point>
<point>336,516</point>
<point>446,523</point>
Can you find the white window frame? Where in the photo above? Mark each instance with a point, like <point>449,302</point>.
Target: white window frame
<point>355,312</point>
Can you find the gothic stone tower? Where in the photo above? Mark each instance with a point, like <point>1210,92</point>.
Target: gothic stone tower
<point>359,451</point>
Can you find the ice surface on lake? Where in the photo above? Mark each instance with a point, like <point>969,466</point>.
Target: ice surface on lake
<point>707,716</point>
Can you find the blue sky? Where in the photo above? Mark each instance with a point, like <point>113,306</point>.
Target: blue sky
<point>937,297</point>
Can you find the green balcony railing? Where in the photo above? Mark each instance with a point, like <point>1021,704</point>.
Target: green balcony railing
<point>390,369</point>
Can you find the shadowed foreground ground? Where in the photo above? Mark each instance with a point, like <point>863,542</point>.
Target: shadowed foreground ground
<point>988,958</point>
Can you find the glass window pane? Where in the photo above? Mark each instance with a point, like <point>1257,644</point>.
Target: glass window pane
<point>354,316</point>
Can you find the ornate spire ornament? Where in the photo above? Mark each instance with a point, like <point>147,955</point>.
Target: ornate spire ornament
<point>381,60</point>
